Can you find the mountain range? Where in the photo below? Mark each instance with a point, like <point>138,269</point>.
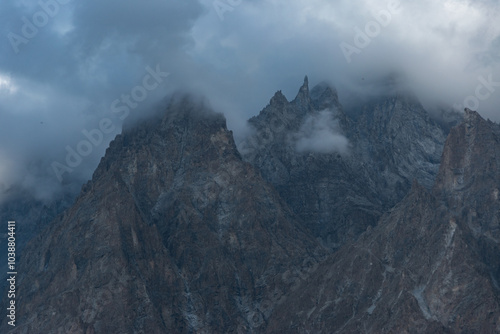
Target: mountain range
<point>383,218</point>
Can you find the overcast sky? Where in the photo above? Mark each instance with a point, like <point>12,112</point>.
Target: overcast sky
<point>67,66</point>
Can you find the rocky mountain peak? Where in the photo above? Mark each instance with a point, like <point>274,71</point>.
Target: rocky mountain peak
<point>175,233</point>
<point>278,100</point>
<point>467,154</point>
<point>305,85</point>
<point>324,96</point>
<point>472,117</point>
<point>182,111</point>
<point>187,125</point>
<point>303,100</point>
<point>390,143</point>
<point>290,115</point>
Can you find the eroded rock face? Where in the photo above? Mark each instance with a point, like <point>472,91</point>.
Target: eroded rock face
<point>174,234</point>
<point>429,265</point>
<point>469,180</point>
<point>353,168</point>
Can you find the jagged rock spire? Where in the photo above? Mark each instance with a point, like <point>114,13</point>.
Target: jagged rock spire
<point>303,98</point>
<point>278,99</point>
<point>470,115</point>
<point>305,86</point>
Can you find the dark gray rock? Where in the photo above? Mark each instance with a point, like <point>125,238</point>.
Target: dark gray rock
<point>342,172</point>
<point>429,266</point>
<point>174,234</point>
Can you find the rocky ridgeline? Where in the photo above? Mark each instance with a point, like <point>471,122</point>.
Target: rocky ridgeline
<point>181,232</point>
<point>372,157</point>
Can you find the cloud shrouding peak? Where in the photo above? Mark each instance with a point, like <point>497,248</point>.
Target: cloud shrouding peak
<point>64,63</point>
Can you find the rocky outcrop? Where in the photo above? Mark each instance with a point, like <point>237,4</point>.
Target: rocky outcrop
<point>323,189</point>
<point>174,234</point>
<point>340,170</point>
<point>469,180</point>
<point>399,142</point>
<point>429,265</point>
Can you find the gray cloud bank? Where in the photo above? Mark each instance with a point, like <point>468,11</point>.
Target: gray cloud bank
<point>63,63</point>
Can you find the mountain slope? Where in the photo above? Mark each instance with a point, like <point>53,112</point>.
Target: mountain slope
<point>31,215</point>
<point>175,233</point>
<point>425,267</point>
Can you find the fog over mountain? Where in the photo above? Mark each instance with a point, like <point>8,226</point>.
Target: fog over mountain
<point>71,72</point>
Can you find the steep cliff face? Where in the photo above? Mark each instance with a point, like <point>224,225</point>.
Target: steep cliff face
<point>428,266</point>
<point>339,171</point>
<point>470,179</point>
<point>175,233</point>
<point>400,142</point>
